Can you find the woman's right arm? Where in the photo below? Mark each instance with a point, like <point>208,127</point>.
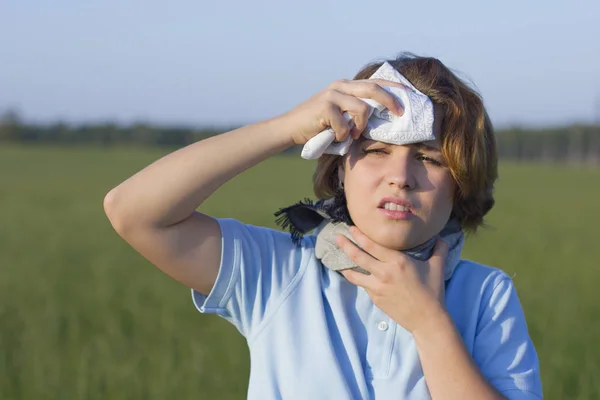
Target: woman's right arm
<point>155,209</point>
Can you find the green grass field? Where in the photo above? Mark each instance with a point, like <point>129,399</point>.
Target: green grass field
<point>83,316</point>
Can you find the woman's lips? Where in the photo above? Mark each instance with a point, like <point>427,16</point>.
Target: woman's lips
<point>395,214</point>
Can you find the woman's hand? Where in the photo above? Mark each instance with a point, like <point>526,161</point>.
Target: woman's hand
<point>326,109</point>
<point>411,292</point>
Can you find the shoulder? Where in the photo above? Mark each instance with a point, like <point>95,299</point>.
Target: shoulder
<point>261,244</point>
<point>259,267</point>
<point>481,294</point>
<point>259,233</point>
<point>478,288</point>
<point>483,276</point>
<point>492,322</point>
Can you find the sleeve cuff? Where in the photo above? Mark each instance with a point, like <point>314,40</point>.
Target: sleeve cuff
<point>516,394</point>
<point>227,276</point>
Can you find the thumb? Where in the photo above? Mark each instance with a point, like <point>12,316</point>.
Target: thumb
<point>438,260</point>
<point>440,251</point>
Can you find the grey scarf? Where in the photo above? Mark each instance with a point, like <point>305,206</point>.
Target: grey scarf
<point>330,217</point>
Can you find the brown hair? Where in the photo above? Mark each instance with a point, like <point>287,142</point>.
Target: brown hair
<point>467,137</point>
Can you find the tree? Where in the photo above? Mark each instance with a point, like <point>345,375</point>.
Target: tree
<point>10,123</point>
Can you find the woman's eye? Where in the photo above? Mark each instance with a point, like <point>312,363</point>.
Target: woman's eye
<point>430,160</point>
<point>374,151</point>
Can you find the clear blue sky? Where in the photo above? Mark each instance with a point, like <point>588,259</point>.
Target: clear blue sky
<point>228,62</point>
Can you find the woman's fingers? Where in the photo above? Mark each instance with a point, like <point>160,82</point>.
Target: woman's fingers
<point>371,247</point>
<point>326,109</point>
<point>371,89</point>
<point>341,127</point>
<point>360,257</point>
<point>359,279</point>
<point>358,110</point>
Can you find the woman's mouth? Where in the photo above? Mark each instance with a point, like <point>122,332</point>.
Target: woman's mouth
<point>395,211</point>
<point>394,207</point>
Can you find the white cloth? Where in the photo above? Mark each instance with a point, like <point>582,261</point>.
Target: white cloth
<point>414,126</point>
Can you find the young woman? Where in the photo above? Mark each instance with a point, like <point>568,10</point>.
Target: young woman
<point>394,313</point>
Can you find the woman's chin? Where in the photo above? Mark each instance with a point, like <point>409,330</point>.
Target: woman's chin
<point>392,234</point>
<point>396,239</point>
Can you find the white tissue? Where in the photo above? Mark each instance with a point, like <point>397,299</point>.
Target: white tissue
<point>414,126</point>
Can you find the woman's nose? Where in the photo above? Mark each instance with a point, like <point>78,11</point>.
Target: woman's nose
<point>399,171</point>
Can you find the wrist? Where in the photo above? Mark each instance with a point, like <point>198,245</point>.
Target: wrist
<point>435,321</point>
<point>284,129</point>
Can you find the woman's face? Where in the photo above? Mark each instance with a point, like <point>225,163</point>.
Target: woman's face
<point>398,195</point>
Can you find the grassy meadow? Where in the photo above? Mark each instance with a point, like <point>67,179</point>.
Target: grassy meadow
<point>83,316</point>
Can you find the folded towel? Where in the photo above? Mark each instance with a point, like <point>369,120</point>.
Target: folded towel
<point>414,126</point>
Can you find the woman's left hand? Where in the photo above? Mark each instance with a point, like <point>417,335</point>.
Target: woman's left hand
<point>411,292</point>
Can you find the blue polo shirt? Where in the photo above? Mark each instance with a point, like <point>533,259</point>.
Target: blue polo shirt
<point>313,335</point>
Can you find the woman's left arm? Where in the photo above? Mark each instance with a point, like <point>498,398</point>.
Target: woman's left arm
<point>448,367</point>
<point>412,293</point>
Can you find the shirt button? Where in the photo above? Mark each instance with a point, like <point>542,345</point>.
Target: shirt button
<point>382,326</point>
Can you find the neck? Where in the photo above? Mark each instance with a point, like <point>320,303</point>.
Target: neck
<point>335,259</point>
<point>330,217</point>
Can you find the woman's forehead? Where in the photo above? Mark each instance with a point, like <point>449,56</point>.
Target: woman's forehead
<point>429,144</point>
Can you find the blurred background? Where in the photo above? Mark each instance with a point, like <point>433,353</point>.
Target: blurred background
<point>91,92</point>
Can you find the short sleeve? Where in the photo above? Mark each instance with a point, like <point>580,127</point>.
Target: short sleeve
<point>259,266</point>
<point>503,349</point>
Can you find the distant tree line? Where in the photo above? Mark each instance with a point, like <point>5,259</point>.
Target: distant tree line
<point>13,129</point>
<point>571,144</point>
<point>575,144</point>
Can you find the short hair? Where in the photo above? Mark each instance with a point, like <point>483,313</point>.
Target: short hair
<point>467,138</point>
